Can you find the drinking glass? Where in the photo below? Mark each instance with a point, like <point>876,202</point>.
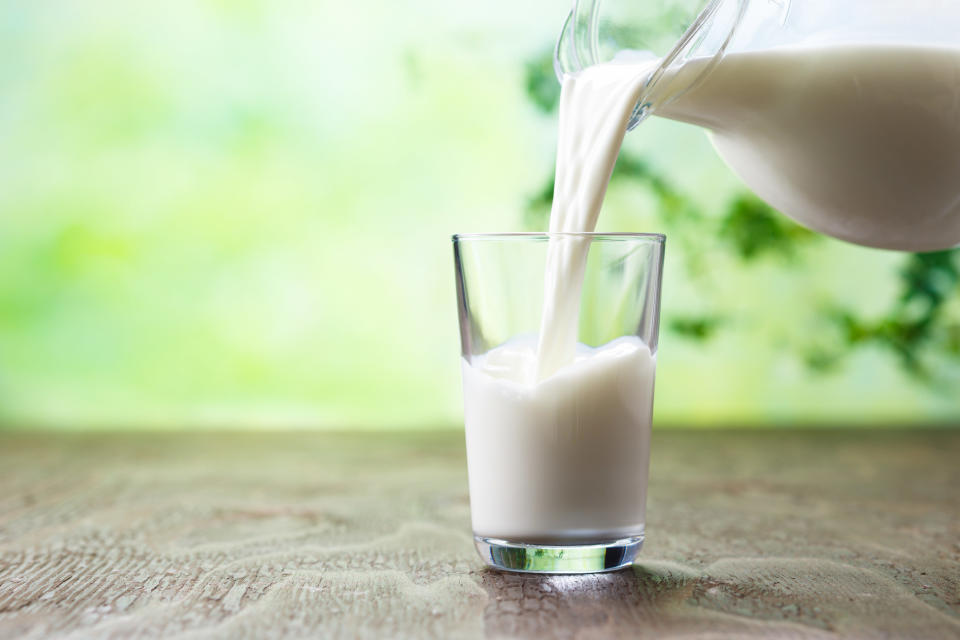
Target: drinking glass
<point>558,461</point>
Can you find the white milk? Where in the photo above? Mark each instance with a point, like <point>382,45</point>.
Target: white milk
<point>563,460</point>
<point>595,107</point>
<point>558,441</point>
<point>861,142</point>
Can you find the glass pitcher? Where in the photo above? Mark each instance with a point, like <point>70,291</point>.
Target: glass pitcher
<point>844,116</point>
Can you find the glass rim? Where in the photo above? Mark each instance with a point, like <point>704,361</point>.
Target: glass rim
<point>546,235</point>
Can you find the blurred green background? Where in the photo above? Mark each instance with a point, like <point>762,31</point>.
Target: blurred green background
<point>236,214</point>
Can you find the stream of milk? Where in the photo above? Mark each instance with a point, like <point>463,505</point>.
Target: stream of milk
<point>595,107</point>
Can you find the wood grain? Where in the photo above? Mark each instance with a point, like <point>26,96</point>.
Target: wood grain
<point>750,534</point>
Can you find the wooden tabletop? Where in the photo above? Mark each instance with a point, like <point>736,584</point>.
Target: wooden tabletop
<point>800,534</point>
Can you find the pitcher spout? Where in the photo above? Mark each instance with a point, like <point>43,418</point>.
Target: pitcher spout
<point>707,36</point>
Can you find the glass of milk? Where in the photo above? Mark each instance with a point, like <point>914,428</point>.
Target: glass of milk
<point>558,457</point>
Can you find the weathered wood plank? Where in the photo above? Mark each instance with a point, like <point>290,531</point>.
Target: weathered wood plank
<point>786,533</point>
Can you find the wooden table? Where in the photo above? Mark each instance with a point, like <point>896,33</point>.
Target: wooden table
<point>774,533</point>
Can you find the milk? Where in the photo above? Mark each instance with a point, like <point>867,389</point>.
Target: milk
<point>558,434</point>
<point>861,142</point>
<point>563,460</point>
<point>595,107</point>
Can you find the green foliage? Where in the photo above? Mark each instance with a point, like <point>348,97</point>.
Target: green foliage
<point>916,328</point>
<point>672,204</point>
<point>697,328</point>
<point>536,215</point>
<point>752,228</point>
<point>930,278</point>
<point>541,84</point>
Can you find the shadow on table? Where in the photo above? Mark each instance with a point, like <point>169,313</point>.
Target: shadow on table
<point>532,604</point>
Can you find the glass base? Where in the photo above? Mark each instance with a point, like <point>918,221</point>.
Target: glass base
<point>536,558</point>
